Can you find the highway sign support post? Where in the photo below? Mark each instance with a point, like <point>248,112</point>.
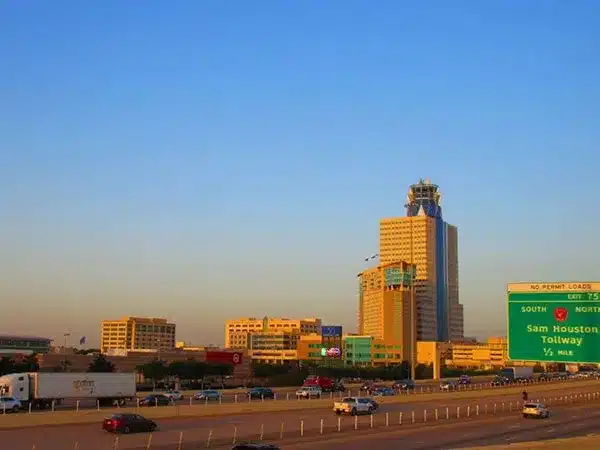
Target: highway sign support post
<point>554,322</point>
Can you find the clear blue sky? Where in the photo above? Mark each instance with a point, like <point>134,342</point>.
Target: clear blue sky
<point>201,160</point>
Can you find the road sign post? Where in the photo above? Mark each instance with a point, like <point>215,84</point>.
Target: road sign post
<point>554,322</point>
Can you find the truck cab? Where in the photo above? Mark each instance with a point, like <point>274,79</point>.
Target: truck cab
<point>16,385</point>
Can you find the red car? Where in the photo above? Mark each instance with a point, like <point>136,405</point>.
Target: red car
<point>128,423</point>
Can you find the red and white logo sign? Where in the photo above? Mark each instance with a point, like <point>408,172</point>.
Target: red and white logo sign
<point>561,314</point>
<point>224,357</point>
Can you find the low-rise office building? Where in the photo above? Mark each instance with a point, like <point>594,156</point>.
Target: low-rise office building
<point>478,355</point>
<point>23,345</point>
<point>137,333</point>
<point>237,331</point>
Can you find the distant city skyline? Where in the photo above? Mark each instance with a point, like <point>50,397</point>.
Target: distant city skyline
<point>186,162</point>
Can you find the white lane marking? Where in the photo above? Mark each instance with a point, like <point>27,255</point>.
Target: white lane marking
<point>574,417</point>
<point>511,438</point>
<point>550,430</point>
<point>512,427</point>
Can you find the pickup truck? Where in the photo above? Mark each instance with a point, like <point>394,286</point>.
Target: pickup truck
<point>354,406</point>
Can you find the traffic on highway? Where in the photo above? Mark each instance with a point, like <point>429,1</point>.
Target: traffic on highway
<point>321,421</point>
<point>34,393</point>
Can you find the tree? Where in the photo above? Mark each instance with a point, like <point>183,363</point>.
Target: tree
<point>87,351</point>
<point>27,364</point>
<point>155,370</point>
<point>261,370</point>
<point>101,364</point>
<point>64,366</point>
<point>198,371</point>
<point>178,369</point>
<point>6,366</point>
<point>423,371</point>
<point>221,370</point>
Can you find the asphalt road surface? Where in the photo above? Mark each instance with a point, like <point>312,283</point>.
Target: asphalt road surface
<point>284,393</point>
<point>566,421</point>
<point>249,426</point>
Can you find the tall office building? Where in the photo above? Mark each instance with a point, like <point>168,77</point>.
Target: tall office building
<point>137,333</point>
<point>384,305</point>
<point>425,239</point>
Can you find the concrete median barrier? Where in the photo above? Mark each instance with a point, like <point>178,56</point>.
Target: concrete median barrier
<point>61,417</point>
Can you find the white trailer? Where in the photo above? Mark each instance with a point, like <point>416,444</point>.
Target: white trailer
<point>44,389</point>
<point>517,373</point>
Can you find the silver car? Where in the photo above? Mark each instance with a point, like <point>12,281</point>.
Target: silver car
<point>208,395</point>
<point>535,410</point>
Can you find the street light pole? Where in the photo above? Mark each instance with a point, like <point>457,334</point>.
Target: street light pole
<point>66,337</point>
<point>413,326</point>
<point>413,308</point>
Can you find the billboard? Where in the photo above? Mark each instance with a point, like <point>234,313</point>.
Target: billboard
<point>332,352</point>
<point>216,357</point>
<point>331,331</point>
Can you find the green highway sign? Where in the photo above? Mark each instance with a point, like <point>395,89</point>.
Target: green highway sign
<point>554,322</point>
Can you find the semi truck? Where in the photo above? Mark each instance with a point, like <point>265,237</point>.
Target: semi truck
<point>42,390</point>
<point>516,374</point>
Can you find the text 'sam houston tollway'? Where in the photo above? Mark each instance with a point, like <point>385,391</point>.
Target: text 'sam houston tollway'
<point>554,322</point>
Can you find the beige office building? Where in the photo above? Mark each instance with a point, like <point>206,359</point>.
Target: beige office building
<point>237,330</point>
<point>137,333</point>
<point>423,238</point>
<point>384,306</point>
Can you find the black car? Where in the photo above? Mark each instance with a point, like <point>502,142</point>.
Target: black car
<point>155,400</point>
<point>501,381</point>
<point>366,386</point>
<point>250,446</point>
<point>338,386</point>
<point>404,385</point>
<point>260,392</point>
<point>128,423</point>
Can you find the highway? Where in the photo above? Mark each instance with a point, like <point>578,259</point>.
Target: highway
<point>249,426</point>
<point>569,421</point>
<point>281,393</point>
<point>284,393</point>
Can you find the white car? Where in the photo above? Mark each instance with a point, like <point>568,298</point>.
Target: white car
<point>447,386</point>
<point>9,404</point>
<point>309,392</point>
<point>173,395</point>
<point>537,410</point>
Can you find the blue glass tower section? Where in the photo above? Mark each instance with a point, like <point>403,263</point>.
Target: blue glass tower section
<point>424,200</point>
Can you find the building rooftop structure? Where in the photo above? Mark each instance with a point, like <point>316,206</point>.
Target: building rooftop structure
<point>424,199</point>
